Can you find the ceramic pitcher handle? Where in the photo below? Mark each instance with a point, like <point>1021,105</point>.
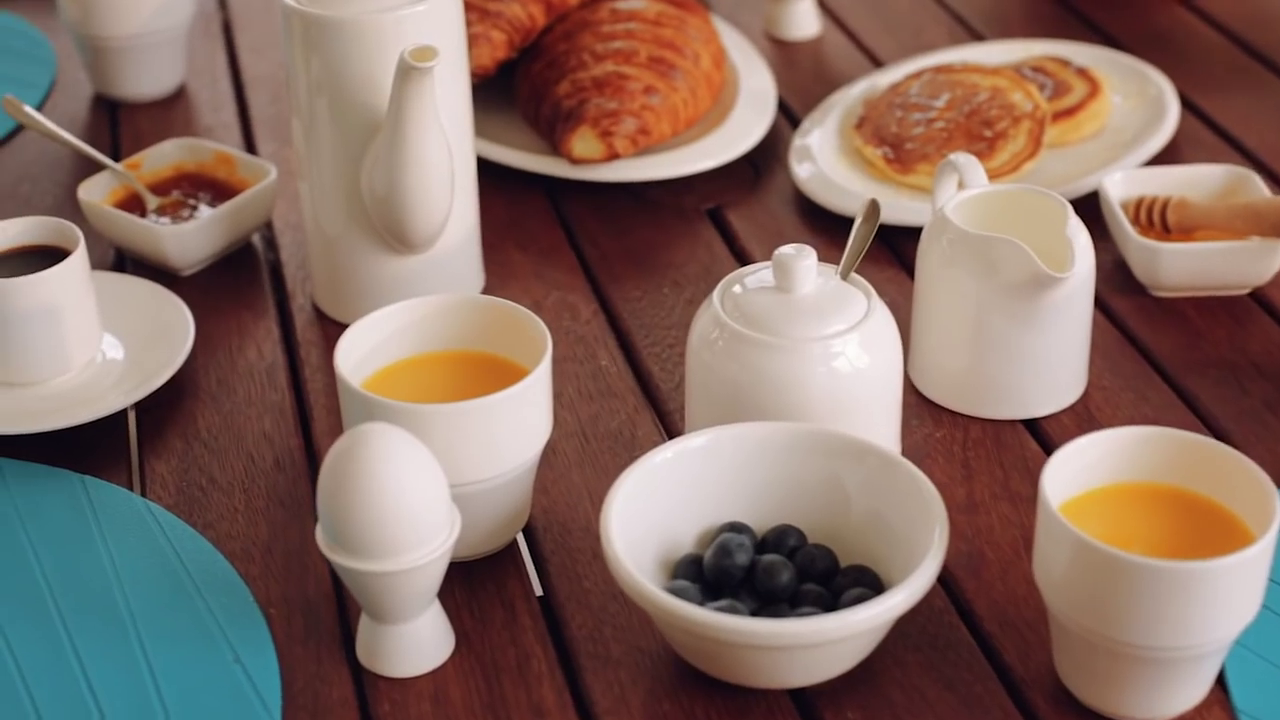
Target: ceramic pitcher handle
<point>958,171</point>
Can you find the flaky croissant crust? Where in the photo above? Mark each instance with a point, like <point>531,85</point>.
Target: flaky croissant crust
<point>497,30</point>
<point>616,77</point>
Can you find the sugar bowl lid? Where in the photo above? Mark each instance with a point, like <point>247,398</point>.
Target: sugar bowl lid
<point>793,297</point>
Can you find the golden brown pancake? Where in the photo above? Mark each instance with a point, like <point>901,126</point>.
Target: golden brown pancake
<point>1079,104</point>
<point>992,113</point>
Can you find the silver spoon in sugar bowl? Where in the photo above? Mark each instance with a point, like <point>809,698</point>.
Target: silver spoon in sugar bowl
<point>860,237</point>
<point>32,119</point>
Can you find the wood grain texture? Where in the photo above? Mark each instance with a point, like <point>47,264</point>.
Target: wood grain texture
<point>505,664</point>
<point>992,505</point>
<point>1251,23</point>
<point>100,449</point>
<point>220,443</point>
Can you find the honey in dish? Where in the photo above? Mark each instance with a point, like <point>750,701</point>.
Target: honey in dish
<point>195,189</point>
<point>445,376</point>
<point>1157,520</point>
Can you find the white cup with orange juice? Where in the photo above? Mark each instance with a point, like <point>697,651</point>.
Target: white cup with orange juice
<point>1153,548</point>
<point>469,376</point>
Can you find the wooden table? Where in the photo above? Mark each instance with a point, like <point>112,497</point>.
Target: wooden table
<point>232,443</point>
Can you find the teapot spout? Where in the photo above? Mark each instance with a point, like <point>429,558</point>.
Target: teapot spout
<point>407,176</point>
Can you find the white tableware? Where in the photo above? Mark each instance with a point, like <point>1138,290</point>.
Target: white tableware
<point>135,51</point>
<point>188,247</point>
<point>1190,268</point>
<point>793,20</point>
<point>384,139</point>
<point>867,503</point>
<point>387,525</point>
<point>1002,303</point>
<point>1138,638</point>
<point>788,340</point>
<point>737,123</point>
<point>489,446</point>
<point>1144,117</point>
<point>50,326</point>
<point>147,335</point>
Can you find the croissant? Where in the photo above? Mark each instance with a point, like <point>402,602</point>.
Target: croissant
<point>616,77</point>
<point>497,30</point>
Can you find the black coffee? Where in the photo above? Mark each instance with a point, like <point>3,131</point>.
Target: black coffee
<point>28,259</point>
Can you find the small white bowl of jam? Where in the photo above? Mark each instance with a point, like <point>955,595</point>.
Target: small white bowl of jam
<point>226,194</point>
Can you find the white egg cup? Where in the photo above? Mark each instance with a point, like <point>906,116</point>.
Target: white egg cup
<point>403,630</point>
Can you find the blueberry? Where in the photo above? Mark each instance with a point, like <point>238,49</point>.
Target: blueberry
<point>774,577</point>
<point>727,605</point>
<point>748,597</point>
<point>854,596</point>
<point>781,540</point>
<point>816,563</point>
<point>688,567</point>
<point>735,526</point>
<point>854,576</point>
<point>727,560</point>
<point>774,610</point>
<point>804,611</point>
<point>813,595</point>
<point>685,590</point>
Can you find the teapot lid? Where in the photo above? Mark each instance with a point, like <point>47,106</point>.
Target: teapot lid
<point>793,297</point>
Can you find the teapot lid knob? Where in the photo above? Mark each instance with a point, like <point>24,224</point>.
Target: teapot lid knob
<point>795,268</point>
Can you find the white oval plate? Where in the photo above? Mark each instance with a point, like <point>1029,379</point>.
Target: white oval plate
<point>147,335</point>
<point>735,124</point>
<point>1144,119</point>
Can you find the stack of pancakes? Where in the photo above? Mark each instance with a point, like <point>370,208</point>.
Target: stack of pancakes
<point>1003,115</point>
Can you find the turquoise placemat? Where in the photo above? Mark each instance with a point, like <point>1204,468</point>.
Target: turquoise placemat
<point>28,65</point>
<point>1252,671</point>
<point>111,607</point>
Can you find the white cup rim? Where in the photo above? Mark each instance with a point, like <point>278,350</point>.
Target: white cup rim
<point>344,341</point>
<point>1261,541</point>
<point>57,232</point>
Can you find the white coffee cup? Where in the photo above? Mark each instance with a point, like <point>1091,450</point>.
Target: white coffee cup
<point>1140,638</point>
<point>490,446</point>
<point>134,51</point>
<point>49,321</point>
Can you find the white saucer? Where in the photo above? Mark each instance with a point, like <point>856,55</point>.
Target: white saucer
<point>147,335</point>
<point>737,123</point>
<point>1143,120</point>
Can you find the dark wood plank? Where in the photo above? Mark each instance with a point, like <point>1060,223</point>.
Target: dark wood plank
<point>1250,22</point>
<point>100,449</point>
<point>220,444</point>
<point>505,664</point>
<point>992,504</point>
<point>655,256</point>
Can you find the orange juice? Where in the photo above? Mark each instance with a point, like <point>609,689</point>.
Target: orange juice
<point>1157,520</point>
<point>445,376</point>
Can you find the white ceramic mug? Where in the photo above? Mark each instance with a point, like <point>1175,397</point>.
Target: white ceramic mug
<point>49,321</point>
<point>134,51</point>
<point>1140,638</point>
<point>490,446</point>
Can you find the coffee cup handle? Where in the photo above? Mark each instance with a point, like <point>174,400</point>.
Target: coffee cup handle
<point>957,171</point>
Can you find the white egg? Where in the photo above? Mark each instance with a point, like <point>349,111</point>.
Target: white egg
<point>382,496</point>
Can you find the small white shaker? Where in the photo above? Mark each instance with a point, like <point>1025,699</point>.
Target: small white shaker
<point>793,20</point>
<point>387,524</point>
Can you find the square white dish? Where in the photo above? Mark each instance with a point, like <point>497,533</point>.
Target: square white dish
<point>188,247</point>
<point>1195,268</point>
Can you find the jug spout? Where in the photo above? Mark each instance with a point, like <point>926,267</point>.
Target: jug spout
<point>1021,233</point>
<point>407,177</point>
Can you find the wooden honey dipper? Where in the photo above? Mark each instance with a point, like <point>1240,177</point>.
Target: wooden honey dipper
<point>1178,217</point>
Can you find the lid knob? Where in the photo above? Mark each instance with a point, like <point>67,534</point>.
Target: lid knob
<point>795,268</point>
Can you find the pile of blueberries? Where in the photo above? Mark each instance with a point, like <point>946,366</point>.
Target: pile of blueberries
<point>777,574</point>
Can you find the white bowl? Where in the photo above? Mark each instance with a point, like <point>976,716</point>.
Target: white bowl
<point>1196,268</point>
<point>187,247</point>
<point>868,504</point>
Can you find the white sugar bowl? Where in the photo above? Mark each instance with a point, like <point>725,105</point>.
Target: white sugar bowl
<point>788,340</point>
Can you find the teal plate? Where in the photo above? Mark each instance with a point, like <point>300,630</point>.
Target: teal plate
<point>1252,671</point>
<point>28,65</point>
<point>111,607</point>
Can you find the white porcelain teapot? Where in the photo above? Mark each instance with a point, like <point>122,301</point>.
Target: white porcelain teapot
<point>1002,315</point>
<point>788,340</point>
